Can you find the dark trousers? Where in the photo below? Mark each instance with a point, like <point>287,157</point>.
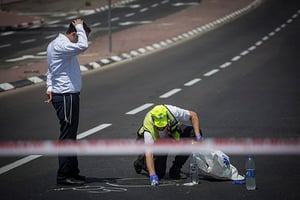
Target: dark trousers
<point>160,161</point>
<point>67,111</point>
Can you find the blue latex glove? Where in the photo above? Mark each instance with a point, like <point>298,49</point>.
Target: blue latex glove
<point>199,137</point>
<point>154,180</point>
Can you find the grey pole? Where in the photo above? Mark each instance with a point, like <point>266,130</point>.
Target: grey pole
<point>109,26</point>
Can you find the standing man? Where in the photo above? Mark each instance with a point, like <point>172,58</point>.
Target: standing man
<point>166,121</point>
<point>63,89</point>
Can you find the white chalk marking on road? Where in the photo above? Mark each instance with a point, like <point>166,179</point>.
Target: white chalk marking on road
<point>211,72</point>
<point>192,82</point>
<point>139,109</point>
<point>170,93</point>
<point>27,159</point>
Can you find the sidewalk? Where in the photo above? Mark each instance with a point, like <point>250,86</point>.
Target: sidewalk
<point>140,40</point>
<point>12,21</point>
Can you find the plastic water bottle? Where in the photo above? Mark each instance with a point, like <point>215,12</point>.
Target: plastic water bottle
<point>250,174</point>
<point>194,170</point>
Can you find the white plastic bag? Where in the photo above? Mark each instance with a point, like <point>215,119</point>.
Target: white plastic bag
<point>216,165</point>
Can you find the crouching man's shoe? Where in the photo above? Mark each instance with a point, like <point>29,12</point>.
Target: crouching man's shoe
<point>70,181</point>
<point>175,173</point>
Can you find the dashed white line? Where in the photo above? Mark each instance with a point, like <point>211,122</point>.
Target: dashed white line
<point>27,159</point>
<point>92,131</point>
<point>7,33</point>
<point>227,64</point>
<point>18,163</point>
<point>244,53</point>
<point>170,93</point>
<point>5,45</point>
<point>236,58</point>
<point>96,24</point>
<point>211,72</point>
<point>129,14</point>
<point>50,36</point>
<point>258,43</point>
<point>265,38</point>
<point>27,41</point>
<point>144,10</point>
<point>115,19</point>
<point>192,82</point>
<point>252,48</point>
<point>139,109</point>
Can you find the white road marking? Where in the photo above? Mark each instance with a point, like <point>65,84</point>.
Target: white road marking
<point>50,36</point>
<point>134,22</point>
<point>129,14</point>
<point>27,159</point>
<point>192,82</point>
<point>170,93</point>
<point>244,53</point>
<point>5,45</point>
<point>18,163</point>
<point>7,33</point>
<point>144,9</point>
<point>27,41</point>
<point>92,131</point>
<point>139,109</point>
<point>236,58</point>
<point>227,64</point>
<point>211,72</point>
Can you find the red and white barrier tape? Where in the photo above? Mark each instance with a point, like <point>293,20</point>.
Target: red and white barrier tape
<point>279,146</point>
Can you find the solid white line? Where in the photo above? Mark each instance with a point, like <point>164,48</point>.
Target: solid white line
<point>139,109</point>
<point>211,72</point>
<point>170,93</point>
<point>192,82</point>
<point>92,131</point>
<point>27,159</point>
<point>18,163</point>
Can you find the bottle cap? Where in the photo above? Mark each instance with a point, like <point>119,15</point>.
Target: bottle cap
<point>239,182</point>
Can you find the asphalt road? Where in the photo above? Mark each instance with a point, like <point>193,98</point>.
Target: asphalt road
<point>249,87</point>
<point>34,41</point>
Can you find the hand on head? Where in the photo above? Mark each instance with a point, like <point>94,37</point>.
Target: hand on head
<point>77,21</point>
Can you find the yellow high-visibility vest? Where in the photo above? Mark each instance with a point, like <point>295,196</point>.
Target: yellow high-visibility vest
<point>148,126</point>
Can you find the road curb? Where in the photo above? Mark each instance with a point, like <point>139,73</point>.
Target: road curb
<point>140,51</point>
